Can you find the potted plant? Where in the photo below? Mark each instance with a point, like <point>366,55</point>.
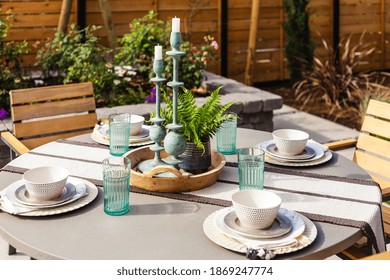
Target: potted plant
<point>200,123</point>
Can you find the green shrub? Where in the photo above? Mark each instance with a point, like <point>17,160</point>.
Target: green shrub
<point>12,75</point>
<point>79,56</point>
<point>299,43</point>
<point>68,58</point>
<point>137,49</point>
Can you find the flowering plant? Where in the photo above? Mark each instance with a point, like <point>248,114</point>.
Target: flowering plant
<point>3,114</point>
<point>137,49</point>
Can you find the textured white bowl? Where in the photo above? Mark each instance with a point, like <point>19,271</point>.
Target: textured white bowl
<point>290,141</point>
<point>256,209</point>
<point>45,183</point>
<point>136,124</point>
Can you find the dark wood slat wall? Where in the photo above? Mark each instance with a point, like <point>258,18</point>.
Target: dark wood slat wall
<point>36,20</point>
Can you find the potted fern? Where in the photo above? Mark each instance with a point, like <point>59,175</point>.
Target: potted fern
<point>200,123</point>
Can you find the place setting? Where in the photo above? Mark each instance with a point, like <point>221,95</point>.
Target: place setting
<point>292,147</point>
<point>138,132</point>
<point>257,226</point>
<point>46,190</point>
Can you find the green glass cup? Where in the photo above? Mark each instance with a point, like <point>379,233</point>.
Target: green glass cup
<point>250,168</point>
<point>226,135</point>
<point>116,185</point>
<point>119,131</point>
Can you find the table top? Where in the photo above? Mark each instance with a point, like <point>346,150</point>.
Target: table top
<point>157,227</point>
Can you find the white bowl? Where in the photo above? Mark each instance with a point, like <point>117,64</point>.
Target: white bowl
<point>256,209</point>
<point>290,141</point>
<point>136,124</point>
<point>45,183</point>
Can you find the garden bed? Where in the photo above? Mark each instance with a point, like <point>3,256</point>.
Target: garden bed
<point>315,106</point>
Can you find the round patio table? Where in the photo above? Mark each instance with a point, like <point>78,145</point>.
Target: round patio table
<point>157,227</point>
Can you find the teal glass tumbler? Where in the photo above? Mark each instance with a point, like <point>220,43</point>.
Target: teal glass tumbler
<point>250,168</point>
<point>119,131</point>
<point>116,185</point>
<point>226,135</point>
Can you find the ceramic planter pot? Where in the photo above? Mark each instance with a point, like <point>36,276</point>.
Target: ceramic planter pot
<point>195,160</point>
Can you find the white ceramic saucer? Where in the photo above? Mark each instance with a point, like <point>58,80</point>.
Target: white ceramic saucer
<point>22,196</point>
<point>279,227</point>
<point>273,151</point>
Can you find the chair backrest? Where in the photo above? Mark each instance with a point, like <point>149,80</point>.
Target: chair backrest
<point>373,145</point>
<point>45,114</point>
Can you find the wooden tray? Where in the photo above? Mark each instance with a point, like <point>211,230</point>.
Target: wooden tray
<point>181,182</point>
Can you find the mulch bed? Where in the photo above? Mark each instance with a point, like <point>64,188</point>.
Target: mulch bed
<point>316,106</point>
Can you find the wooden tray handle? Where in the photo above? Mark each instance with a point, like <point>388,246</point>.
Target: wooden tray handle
<point>166,168</point>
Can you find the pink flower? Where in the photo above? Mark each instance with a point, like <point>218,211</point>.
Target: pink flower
<point>214,44</point>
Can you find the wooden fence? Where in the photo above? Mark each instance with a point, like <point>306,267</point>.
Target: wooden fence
<point>36,20</point>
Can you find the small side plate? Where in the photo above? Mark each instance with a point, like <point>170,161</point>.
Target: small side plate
<point>307,153</point>
<point>280,226</point>
<point>22,196</point>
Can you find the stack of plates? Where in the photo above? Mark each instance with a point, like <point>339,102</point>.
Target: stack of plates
<point>101,135</point>
<point>77,193</point>
<point>313,154</point>
<point>289,232</point>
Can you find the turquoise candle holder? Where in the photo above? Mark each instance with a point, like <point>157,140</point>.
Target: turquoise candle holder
<point>175,143</point>
<point>157,131</point>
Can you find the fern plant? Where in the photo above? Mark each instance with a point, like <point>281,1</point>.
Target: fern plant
<point>200,123</point>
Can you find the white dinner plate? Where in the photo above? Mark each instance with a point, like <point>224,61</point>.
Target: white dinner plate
<point>298,226</point>
<point>214,234</point>
<point>320,157</point>
<point>12,191</point>
<point>86,192</point>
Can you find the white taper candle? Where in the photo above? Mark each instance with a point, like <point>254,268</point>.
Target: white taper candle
<point>157,52</point>
<point>175,24</point>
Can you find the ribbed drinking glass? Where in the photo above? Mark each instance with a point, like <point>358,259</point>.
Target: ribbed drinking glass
<point>226,135</point>
<point>250,168</point>
<point>116,185</point>
<point>119,131</point>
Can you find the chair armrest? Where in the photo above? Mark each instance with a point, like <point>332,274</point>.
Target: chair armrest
<point>103,120</point>
<point>13,143</point>
<point>341,144</point>
<point>380,256</point>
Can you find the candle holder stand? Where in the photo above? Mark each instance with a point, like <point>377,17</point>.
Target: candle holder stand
<point>175,143</point>
<point>157,131</point>
<point>155,168</point>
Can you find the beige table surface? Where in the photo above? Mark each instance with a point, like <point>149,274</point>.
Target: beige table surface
<point>157,227</point>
